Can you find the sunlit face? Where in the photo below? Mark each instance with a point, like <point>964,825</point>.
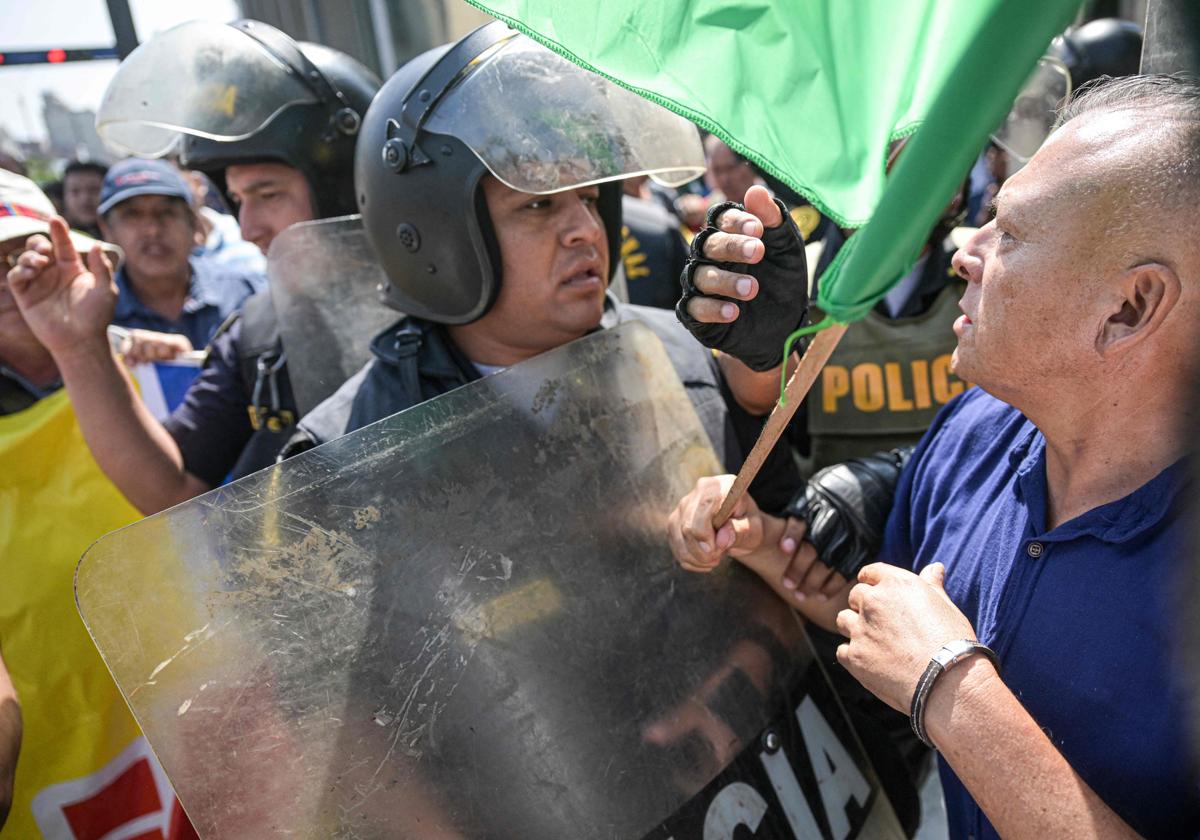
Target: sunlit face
<point>554,256</point>
<point>81,197</point>
<point>270,197</point>
<point>156,232</point>
<point>1038,273</point>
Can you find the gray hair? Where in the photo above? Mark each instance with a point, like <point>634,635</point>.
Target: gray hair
<point>1176,96</point>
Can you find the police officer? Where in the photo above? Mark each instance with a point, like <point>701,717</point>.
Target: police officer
<point>274,127</point>
<point>497,221</point>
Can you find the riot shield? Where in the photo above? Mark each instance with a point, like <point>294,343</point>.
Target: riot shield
<point>463,621</point>
<point>324,282</point>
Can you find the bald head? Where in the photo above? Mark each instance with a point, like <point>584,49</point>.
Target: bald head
<point>1090,272</point>
<point>1146,131</point>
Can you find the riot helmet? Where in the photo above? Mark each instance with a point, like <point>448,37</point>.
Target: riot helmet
<point>1103,47</point>
<point>496,103</point>
<point>250,94</point>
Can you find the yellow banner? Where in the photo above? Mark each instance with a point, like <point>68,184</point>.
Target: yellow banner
<point>84,769</point>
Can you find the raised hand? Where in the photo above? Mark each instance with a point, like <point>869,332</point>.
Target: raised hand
<point>66,303</point>
<point>745,286</point>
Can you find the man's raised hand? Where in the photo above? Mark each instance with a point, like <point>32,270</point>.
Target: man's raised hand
<point>66,302</point>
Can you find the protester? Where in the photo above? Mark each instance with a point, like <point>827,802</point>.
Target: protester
<point>146,210</point>
<point>289,170</point>
<point>78,736</point>
<point>541,282</point>
<point>81,185</point>
<point>1038,514</point>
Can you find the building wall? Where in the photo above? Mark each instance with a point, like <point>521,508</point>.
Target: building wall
<point>382,34</point>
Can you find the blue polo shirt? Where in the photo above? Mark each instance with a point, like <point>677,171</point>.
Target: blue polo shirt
<point>212,297</point>
<point>1082,616</point>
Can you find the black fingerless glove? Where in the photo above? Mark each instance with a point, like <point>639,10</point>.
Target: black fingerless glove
<point>779,309</point>
<point>846,507</point>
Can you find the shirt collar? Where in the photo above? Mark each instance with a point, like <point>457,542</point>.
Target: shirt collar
<point>1115,522</point>
<point>202,293</point>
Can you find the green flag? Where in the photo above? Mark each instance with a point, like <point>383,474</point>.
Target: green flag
<point>813,91</point>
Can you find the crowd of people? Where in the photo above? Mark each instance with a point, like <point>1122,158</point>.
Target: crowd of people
<point>1027,546</point>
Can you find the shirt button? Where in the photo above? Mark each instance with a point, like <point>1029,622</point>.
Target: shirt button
<point>1034,550</point>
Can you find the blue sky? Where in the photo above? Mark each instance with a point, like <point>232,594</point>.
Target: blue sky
<point>34,24</point>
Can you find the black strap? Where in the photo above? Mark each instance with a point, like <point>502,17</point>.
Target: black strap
<point>408,344</point>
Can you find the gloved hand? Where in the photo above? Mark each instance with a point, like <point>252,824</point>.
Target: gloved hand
<point>745,285</point>
<point>846,507</point>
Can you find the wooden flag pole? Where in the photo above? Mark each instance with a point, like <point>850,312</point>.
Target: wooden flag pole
<point>815,357</point>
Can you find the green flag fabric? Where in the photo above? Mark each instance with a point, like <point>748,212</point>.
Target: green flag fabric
<point>814,91</point>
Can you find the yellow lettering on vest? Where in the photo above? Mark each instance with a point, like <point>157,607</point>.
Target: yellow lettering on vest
<point>943,389</point>
<point>868,387</point>
<point>920,372</point>
<point>835,384</point>
<point>895,388</point>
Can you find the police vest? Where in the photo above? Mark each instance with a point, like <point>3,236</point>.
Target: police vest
<point>885,382</point>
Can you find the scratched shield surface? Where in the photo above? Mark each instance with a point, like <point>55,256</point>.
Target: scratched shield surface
<point>462,621</point>
<point>324,284</point>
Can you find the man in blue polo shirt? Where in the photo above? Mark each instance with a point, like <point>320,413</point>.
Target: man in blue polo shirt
<point>146,209</point>
<point>1038,515</point>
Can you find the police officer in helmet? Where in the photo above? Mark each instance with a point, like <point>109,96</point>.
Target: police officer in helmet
<point>497,221</point>
<point>273,123</point>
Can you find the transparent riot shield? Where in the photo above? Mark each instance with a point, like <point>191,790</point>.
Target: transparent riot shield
<point>324,284</point>
<point>464,622</point>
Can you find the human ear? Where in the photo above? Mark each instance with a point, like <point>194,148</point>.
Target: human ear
<point>1148,293</point>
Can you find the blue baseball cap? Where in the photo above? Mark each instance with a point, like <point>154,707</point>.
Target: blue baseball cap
<point>136,176</point>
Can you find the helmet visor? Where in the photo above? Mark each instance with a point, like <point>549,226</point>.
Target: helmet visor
<point>1032,117</point>
<point>542,124</point>
<point>201,78</point>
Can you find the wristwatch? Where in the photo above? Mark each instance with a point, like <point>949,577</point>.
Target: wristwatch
<point>946,658</point>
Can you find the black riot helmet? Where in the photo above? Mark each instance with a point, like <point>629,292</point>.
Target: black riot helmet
<point>222,94</point>
<point>496,103</point>
<point>1103,47</point>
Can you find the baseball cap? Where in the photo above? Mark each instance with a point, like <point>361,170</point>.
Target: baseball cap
<point>25,210</point>
<point>136,176</point>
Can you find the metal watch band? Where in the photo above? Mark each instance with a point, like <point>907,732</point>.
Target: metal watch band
<point>949,655</point>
